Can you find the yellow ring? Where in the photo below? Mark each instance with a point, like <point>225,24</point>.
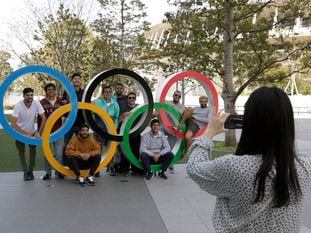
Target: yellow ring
<point>49,125</point>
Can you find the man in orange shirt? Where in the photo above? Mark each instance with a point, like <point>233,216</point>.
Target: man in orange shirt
<point>83,152</point>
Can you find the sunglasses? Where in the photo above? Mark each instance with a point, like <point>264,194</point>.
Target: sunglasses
<point>131,98</point>
<point>177,95</point>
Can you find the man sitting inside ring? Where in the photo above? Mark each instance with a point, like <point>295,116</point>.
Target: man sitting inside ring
<point>154,148</point>
<point>83,152</point>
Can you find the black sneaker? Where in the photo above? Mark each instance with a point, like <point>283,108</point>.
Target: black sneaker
<point>46,177</point>
<point>125,174</point>
<point>30,176</point>
<point>81,180</point>
<point>26,176</point>
<point>162,175</point>
<point>97,174</point>
<point>149,175</point>
<point>60,176</point>
<point>112,172</point>
<point>90,180</point>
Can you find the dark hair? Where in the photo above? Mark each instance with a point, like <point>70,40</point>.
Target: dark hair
<point>269,130</point>
<point>131,93</point>
<point>176,91</point>
<point>49,85</point>
<point>75,74</point>
<point>27,90</point>
<point>119,84</point>
<point>155,120</point>
<point>83,126</point>
<point>106,87</point>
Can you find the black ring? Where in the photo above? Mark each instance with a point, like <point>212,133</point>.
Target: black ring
<point>88,92</point>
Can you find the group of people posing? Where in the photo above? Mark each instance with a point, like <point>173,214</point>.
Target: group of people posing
<point>79,149</point>
<point>259,188</point>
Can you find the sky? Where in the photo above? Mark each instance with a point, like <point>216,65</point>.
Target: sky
<point>16,11</point>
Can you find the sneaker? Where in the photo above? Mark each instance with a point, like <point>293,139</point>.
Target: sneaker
<point>97,174</point>
<point>90,180</point>
<point>30,176</point>
<point>171,169</point>
<point>59,175</point>
<point>125,174</point>
<point>149,175</point>
<point>81,180</point>
<point>112,172</point>
<point>162,175</point>
<point>26,176</point>
<point>46,177</point>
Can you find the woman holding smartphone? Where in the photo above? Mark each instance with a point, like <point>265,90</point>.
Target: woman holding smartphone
<point>261,187</point>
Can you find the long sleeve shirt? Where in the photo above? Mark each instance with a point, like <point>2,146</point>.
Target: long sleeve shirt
<point>152,144</point>
<point>78,145</point>
<point>231,178</point>
<point>112,109</point>
<point>202,116</point>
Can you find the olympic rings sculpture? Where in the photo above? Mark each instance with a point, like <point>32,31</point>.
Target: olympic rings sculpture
<point>126,130</point>
<point>61,78</point>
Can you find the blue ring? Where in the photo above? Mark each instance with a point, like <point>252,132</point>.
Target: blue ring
<point>61,78</point>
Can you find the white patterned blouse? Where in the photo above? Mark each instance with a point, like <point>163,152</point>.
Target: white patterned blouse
<point>231,178</point>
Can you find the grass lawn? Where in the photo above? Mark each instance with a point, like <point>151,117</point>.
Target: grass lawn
<point>220,149</point>
<point>9,160</point>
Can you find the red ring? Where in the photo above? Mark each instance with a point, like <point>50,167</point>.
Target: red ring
<point>170,82</point>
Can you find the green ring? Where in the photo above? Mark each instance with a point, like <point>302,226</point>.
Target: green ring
<point>126,141</point>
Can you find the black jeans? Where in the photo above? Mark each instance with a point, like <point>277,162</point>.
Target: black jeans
<point>75,164</point>
<point>32,156</point>
<point>165,159</point>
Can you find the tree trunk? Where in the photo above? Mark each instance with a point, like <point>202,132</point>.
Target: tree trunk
<point>122,36</point>
<point>230,138</point>
<point>228,91</point>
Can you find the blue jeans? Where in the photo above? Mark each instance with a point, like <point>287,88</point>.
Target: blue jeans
<point>165,159</point>
<point>58,154</point>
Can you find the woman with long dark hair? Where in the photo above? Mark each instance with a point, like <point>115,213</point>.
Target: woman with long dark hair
<point>261,187</point>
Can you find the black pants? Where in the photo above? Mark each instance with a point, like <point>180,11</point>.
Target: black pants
<point>75,164</point>
<point>165,159</point>
<point>32,156</point>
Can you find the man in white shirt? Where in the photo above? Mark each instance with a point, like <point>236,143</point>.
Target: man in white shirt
<point>23,121</point>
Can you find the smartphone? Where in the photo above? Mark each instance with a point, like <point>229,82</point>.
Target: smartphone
<point>234,121</point>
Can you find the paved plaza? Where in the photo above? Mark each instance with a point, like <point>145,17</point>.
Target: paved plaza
<point>117,204</point>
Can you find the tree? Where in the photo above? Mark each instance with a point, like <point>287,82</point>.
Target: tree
<point>64,39</point>
<point>5,69</point>
<point>122,23</point>
<point>60,37</point>
<point>229,41</point>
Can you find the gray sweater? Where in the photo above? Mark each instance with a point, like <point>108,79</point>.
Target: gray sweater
<point>202,116</point>
<point>152,144</point>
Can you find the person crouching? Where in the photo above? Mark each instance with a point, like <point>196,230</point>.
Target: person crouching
<point>83,152</point>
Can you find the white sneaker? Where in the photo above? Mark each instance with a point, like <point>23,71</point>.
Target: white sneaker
<point>81,180</point>
<point>90,180</point>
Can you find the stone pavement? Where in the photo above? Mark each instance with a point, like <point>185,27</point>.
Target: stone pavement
<point>185,208</point>
<point>115,205</point>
